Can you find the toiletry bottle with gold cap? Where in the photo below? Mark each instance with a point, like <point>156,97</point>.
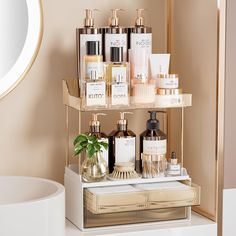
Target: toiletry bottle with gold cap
<point>153,141</point>
<point>115,36</point>
<point>121,143</point>
<point>117,76</point>
<point>94,89</point>
<point>87,33</point>
<point>141,35</point>
<point>95,130</point>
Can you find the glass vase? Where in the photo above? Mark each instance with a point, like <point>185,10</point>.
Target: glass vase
<point>94,169</point>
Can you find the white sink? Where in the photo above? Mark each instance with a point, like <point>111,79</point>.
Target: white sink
<point>31,207</point>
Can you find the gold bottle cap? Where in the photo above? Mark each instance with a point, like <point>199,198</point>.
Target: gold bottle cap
<point>161,91</point>
<point>114,20</point>
<point>89,20</point>
<point>167,76</point>
<point>139,21</point>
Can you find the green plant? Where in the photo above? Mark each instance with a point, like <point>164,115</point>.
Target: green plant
<point>89,143</point>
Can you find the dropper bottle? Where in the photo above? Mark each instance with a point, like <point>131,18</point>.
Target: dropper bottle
<point>122,143</point>
<point>115,36</point>
<point>95,130</point>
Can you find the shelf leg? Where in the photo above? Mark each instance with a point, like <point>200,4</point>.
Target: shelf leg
<point>67,136</point>
<point>182,136</point>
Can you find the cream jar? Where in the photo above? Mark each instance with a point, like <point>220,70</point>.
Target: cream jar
<point>167,81</point>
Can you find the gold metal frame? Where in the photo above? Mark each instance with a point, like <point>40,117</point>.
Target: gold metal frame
<point>33,57</point>
<point>221,21</point>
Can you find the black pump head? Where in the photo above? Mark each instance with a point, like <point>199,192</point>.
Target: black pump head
<point>153,123</point>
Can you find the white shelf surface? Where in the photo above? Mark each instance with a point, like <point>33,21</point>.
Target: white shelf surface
<point>198,226</point>
<point>73,170</point>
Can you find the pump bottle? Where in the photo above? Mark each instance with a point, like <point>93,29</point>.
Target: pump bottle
<point>115,36</point>
<point>121,143</point>
<point>153,141</point>
<point>95,130</point>
<point>141,35</point>
<point>87,33</point>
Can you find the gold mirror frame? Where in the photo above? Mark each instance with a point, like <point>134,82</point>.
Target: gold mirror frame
<point>35,5</point>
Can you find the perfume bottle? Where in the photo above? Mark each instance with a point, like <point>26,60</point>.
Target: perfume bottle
<point>141,35</point>
<point>95,130</point>
<point>94,90</point>
<point>115,36</point>
<point>153,141</point>
<point>121,143</point>
<point>117,76</point>
<point>87,33</point>
<point>173,167</point>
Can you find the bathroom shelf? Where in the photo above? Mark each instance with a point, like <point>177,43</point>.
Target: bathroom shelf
<point>71,98</point>
<point>72,170</point>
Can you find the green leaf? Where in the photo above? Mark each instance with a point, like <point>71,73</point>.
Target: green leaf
<point>80,138</point>
<point>91,152</point>
<point>92,138</point>
<point>104,144</point>
<point>97,146</point>
<point>78,149</point>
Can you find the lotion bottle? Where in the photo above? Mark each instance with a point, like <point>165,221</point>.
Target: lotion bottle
<point>115,36</point>
<point>141,35</point>
<point>122,143</point>
<point>153,141</point>
<point>95,130</point>
<point>87,33</point>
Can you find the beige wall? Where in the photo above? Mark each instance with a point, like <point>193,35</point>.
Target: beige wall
<point>230,99</point>
<point>32,120</point>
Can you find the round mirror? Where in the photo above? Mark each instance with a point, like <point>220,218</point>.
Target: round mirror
<point>21,35</point>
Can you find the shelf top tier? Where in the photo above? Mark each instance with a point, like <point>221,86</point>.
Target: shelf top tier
<point>71,98</point>
<point>72,171</point>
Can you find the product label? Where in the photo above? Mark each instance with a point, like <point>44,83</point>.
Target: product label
<point>96,93</point>
<point>166,83</point>
<point>141,41</point>
<point>104,151</point>
<point>115,40</point>
<point>83,39</point>
<point>125,149</point>
<point>119,94</point>
<point>94,70</point>
<point>154,147</point>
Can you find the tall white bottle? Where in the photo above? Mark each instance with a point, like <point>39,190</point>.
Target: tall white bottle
<point>87,33</point>
<point>115,36</point>
<point>141,35</point>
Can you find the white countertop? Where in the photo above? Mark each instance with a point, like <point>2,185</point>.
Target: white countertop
<point>197,226</point>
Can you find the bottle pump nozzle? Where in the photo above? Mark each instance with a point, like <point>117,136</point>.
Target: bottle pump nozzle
<point>153,123</point>
<point>89,20</point>
<point>114,20</point>
<point>139,21</point>
<point>122,122</point>
<point>95,124</point>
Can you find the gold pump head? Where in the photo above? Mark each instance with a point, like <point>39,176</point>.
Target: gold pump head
<point>95,124</point>
<point>139,21</point>
<point>122,120</point>
<point>89,20</point>
<point>114,20</point>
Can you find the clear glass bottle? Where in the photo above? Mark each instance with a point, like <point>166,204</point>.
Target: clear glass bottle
<point>122,143</point>
<point>94,88</point>
<point>117,76</point>
<point>95,130</point>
